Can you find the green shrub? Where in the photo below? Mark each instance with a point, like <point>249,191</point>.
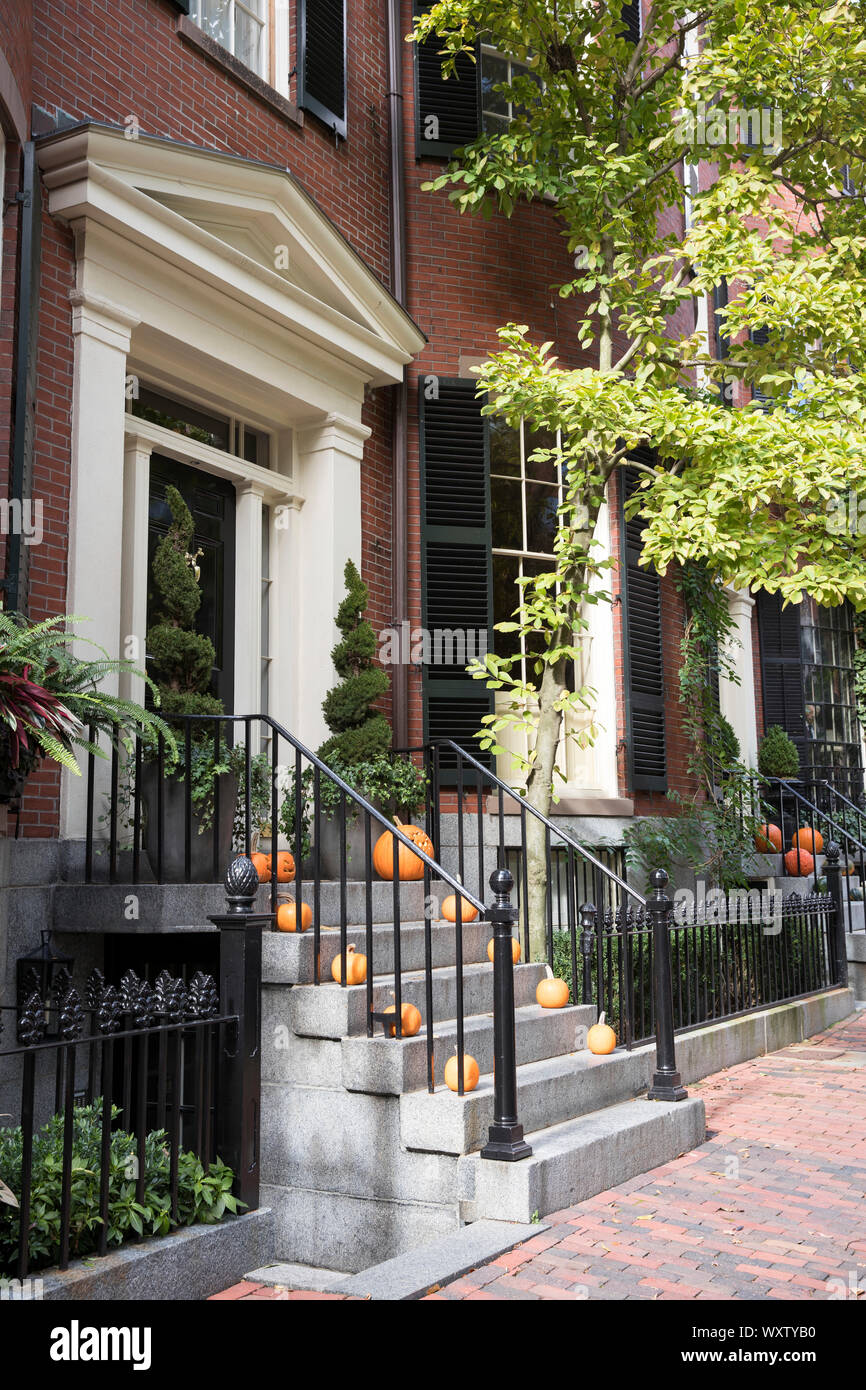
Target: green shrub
<point>203,1197</point>
<point>777,756</point>
<point>358,732</point>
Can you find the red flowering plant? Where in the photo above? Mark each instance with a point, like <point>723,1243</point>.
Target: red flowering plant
<point>52,704</point>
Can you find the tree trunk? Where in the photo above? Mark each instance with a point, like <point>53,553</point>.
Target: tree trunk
<point>538,794</point>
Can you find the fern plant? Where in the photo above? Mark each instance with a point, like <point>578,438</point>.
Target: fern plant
<point>50,696</point>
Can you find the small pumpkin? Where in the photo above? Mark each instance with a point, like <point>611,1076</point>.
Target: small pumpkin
<point>263,866</point>
<point>601,1039</point>
<point>768,839</point>
<point>409,866</point>
<point>470,1073</point>
<point>552,993</point>
<point>285,866</point>
<point>356,967</point>
<point>448,910</point>
<point>515,949</point>
<point>799,863</point>
<point>809,839</point>
<point>410,1019</point>
<point>287,916</point>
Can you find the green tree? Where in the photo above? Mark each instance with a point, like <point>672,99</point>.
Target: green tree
<point>359,733</point>
<point>181,659</point>
<point>602,128</point>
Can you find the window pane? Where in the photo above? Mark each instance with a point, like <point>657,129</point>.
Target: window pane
<point>507,518</point>
<point>506,597</point>
<point>249,35</point>
<point>544,469</point>
<point>542,504</point>
<point>504,448</point>
<point>216,20</point>
<point>493,71</point>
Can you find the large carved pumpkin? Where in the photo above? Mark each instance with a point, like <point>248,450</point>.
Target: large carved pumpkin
<point>409,866</point>
<point>285,866</point>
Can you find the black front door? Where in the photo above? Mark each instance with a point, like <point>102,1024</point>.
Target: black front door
<point>212,503</point>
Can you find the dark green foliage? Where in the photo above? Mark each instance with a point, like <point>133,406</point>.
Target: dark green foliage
<point>777,756</point>
<point>204,1197</point>
<point>359,732</point>
<point>393,782</point>
<point>181,659</point>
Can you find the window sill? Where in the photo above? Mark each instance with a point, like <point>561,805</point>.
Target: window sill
<point>243,75</point>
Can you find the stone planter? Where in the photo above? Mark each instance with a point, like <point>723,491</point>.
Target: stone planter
<point>174,828</point>
<point>356,850</point>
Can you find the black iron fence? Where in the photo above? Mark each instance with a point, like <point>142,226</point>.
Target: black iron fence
<point>133,1099</point>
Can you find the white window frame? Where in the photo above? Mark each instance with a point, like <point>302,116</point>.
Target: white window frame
<point>274,42</point>
<point>515,69</point>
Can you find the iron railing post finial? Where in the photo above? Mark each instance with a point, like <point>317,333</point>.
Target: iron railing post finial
<point>666,1083</point>
<point>833,875</point>
<point>505,1137</point>
<point>240,990</point>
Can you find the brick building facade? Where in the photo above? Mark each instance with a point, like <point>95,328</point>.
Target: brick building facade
<point>163,154</point>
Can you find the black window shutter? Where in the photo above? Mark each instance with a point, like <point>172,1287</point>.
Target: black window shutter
<point>447,112</point>
<point>644,661</point>
<point>322,61</point>
<point>760,337</point>
<point>782,668</point>
<point>455,560</point>
<point>631,21</point>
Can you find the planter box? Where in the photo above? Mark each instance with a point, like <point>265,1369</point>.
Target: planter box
<point>192,1263</point>
<point>174,829</point>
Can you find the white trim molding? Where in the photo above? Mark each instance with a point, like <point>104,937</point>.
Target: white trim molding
<point>219,280</point>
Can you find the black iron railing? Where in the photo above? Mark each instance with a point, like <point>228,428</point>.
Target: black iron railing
<point>575,874</point>
<point>147,1056</point>
<point>824,815</point>
<point>294,789</point>
<point>171,1067</point>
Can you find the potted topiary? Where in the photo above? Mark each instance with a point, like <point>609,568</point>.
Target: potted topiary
<point>359,749</point>
<point>777,755</point>
<point>180,661</point>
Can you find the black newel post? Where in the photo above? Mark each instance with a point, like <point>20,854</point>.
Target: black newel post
<point>505,1139</point>
<point>667,1083</point>
<point>240,984</point>
<point>833,875</point>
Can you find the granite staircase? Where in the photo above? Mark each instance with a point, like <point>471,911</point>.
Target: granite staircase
<point>360,1162</point>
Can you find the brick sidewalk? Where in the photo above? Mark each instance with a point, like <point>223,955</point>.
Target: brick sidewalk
<point>771,1206</point>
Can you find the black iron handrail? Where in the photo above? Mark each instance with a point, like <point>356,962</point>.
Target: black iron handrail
<point>505,789</point>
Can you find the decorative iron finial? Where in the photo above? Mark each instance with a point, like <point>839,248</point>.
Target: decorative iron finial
<point>241,885</point>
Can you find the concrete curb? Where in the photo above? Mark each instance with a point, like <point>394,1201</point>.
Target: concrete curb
<point>189,1264</point>
<point>412,1275</point>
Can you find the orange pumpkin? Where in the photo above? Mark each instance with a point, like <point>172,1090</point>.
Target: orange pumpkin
<point>768,839</point>
<point>410,1019</point>
<point>515,949</point>
<point>601,1039</point>
<point>448,911</point>
<point>356,967</point>
<point>808,839</point>
<point>799,863</point>
<point>285,866</point>
<point>409,866</point>
<point>263,866</point>
<point>470,1073</point>
<point>552,993</point>
<point>287,917</point>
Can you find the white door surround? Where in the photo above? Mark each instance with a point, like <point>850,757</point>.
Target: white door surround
<point>221,280</point>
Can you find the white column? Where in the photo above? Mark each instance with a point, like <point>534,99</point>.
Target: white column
<point>101,336</point>
<point>248,599</point>
<point>134,576</point>
<point>329,465</point>
<point>737,702</point>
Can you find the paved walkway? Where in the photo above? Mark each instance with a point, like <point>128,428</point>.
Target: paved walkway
<point>771,1206</point>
